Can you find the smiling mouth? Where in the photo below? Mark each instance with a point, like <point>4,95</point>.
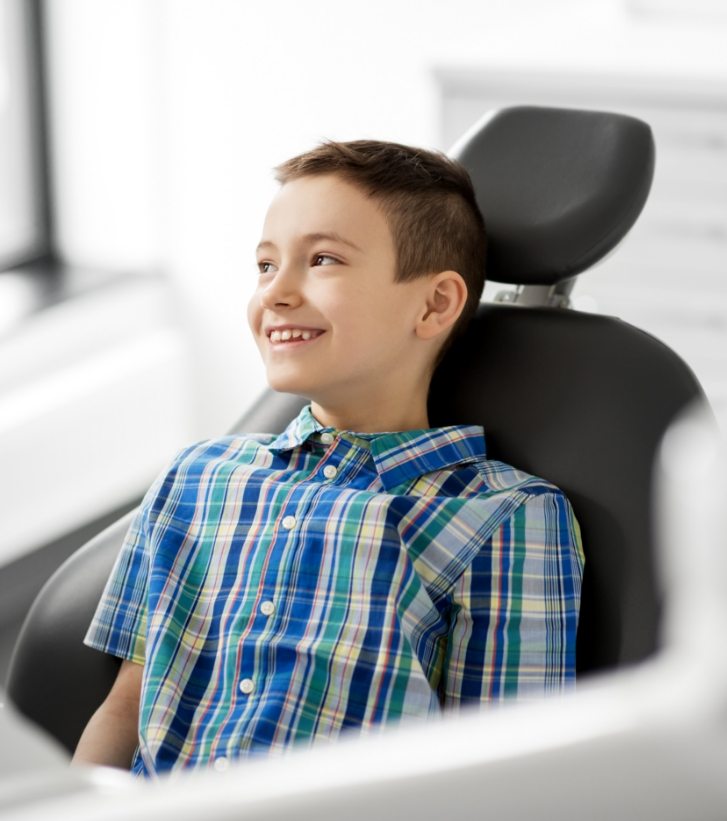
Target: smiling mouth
<point>293,339</point>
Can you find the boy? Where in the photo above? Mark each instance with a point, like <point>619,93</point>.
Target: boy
<point>361,567</point>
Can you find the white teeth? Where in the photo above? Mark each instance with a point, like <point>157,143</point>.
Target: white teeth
<point>288,334</point>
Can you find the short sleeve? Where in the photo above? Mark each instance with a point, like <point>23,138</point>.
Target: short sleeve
<point>118,626</point>
<point>515,609</point>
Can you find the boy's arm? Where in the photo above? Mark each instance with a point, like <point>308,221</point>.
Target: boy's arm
<point>515,608</point>
<point>119,628</point>
<point>111,735</point>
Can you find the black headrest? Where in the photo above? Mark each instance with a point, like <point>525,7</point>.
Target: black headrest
<point>559,188</point>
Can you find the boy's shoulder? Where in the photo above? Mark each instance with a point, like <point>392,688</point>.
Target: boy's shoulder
<point>512,489</point>
<point>495,476</point>
<point>228,446</point>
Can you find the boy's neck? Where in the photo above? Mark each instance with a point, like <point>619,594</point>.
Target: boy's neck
<point>372,420</point>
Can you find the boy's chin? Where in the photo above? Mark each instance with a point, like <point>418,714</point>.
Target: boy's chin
<point>293,386</point>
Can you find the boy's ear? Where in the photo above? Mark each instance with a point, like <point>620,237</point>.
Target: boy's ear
<point>445,298</point>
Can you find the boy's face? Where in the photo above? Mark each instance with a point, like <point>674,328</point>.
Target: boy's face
<point>326,269</point>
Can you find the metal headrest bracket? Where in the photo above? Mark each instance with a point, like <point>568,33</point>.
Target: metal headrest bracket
<point>540,296</point>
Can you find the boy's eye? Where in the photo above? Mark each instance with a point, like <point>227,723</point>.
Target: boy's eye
<point>265,267</point>
<point>324,259</point>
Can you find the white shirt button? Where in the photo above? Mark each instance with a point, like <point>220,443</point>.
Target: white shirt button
<point>246,686</point>
<point>326,438</point>
<point>221,764</point>
<point>289,522</point>
<point>329,472</point>
<point>267,608</point>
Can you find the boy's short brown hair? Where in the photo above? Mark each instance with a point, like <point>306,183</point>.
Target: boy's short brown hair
<point>428,201</point>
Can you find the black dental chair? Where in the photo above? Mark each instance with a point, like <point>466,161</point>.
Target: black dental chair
<point>580,399</point>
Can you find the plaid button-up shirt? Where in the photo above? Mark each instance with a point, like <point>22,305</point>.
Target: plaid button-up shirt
<point>281,589</point>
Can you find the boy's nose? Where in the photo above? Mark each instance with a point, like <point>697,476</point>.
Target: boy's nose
<point>283,289</point>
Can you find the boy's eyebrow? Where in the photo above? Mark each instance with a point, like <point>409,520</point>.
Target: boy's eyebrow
<point>315,237</point>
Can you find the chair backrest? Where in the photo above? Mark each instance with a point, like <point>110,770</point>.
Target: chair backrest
<point>579,399</point>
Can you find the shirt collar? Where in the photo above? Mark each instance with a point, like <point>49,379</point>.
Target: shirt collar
<point>398,455</point>
<point>299,429</point>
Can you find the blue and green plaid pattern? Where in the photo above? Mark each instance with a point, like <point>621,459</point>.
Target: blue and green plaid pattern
<point>281,590</point>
